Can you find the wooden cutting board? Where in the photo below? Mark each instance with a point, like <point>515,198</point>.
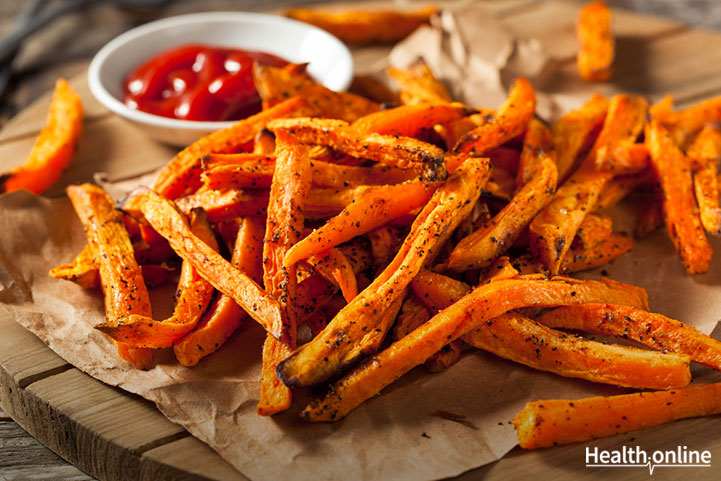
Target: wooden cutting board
<point>114,435</point>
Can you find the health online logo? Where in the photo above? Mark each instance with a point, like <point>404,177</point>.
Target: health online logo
<point>635,457</point>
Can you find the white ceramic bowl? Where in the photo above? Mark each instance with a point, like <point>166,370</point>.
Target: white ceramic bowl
<point>330,60</point>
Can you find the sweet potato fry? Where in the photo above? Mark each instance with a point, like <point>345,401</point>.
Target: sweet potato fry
<point>181,176</point>
<point>470,312</point>
<point>364,26</point>
<point>369,210</point>
<point>596,43</point>
<point>552,422</point>
<point>536,141</point>
<point>370,87</point>
<point>227,204</point>
<point>84,270</point>
<point>418,85</point>
<point>163,216</point>
<point>437,291</point>
<point>679,206</point>
<point>385,241</point>
<point>594,230</point>
<point>704,154</point>
<point>410,120</point>
<point>523,340</point>
<point>553,230</point>
<point>622,158</point>
<point>501,183</point>
<point>484,245</point>
<point>334,266</point>
<point>501,268</point>
<point>510,121</point>
<point>53,150</point>
<point>241,171</point>
<point>325,355</point>
<point>401,152</point>
<point>572,132</point>
<point>577,260</point>
<point>275,85</point>
<point>192,298</point>
<point>284,227</point>
<point>120,276</point>
<point>413,313</point>
<point>224,316</point>
<point>651,330</point>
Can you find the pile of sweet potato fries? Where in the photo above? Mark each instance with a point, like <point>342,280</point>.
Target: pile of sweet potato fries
<point>368,239</point>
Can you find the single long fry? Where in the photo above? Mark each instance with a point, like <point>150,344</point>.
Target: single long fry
<point>284,227</point>
<point>181,176</point>
<point>437,291</point>
<point>53,150</point>
<point>410,120</point>
<point>84,270</point>
<point>275,85</point>
<point>652,330</point>
<point>325,355</point>
<point>401,152</point>
<point>120,276</point>
<point>163,216</point>
<point>418,85</point>
<point>192,298</point>
<point>484,245</point>
<point>704,154</point>
<point>572,131</point>
<point>552,422</point>
<point>523,340</point>
<point>679,206</point>
<point>484,303</point>
<point>224,316</point>
<point>242,171</point>
<point>553,230</point>
<point>596,44</point>
<point>365,26</point>
<point>617,188</point>
<point>371,209</point>
<point>622,158</point>
<point>510,121</point>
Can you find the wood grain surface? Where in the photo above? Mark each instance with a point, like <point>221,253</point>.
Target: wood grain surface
<point>114,435</point>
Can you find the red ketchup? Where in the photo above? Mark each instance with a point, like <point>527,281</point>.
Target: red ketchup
<point>198,82</point>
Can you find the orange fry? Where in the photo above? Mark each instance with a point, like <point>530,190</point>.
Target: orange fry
<point>401,152</point>
<point>622,158</point>
<point>418,85</point>
<point>510,121</point>
<point>371,209</point>
<point>679,206</point>
<point>536,141</point>
<point>364,26</point>
<point>120,276</point>
<point>576,260</point>
<point>704,154</point>
<point>523,340</point>
<point>651,330</point>
<point>84,270</point>
<point>410,120</point>
<point>53,150</point>
<point>596,43</point>
<point>552,422</point>
<point>334,266</point>
<point>284,227</point>
<point>275,85</point>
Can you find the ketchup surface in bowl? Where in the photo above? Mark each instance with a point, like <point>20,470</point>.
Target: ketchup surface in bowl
<point>198,82</point>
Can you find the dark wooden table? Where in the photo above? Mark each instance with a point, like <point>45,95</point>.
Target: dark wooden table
<point>64,48</point>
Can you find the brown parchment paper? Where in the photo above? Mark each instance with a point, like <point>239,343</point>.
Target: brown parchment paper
<point>393,436</point>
